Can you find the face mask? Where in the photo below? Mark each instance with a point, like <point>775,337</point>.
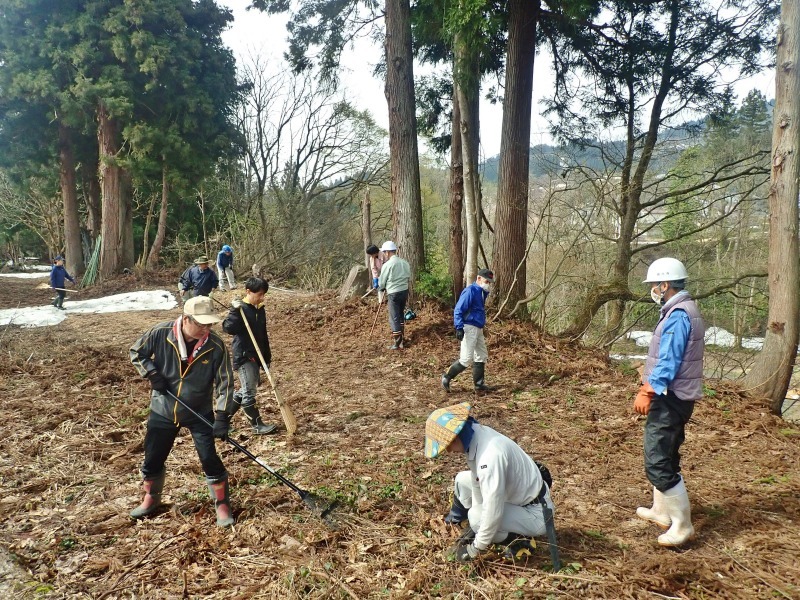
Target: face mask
<point>485,286</point>
<point>657,295</point>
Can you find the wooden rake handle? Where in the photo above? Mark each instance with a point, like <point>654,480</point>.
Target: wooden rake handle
<point>286,412</point>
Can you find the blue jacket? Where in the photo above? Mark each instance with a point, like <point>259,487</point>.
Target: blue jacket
<point>470,307</point>
<point>224,261</point>
<point>201,281</point>
<point>58,275</point>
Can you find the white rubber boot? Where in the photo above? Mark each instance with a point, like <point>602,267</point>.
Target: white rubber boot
<point>658,513</point>
<point>676,502</point>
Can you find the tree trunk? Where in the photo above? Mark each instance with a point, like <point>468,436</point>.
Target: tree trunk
<point>366,225</point>
<point>772,370</point>
<point>109,174</point>
<point>467,86</point>
<point>456,202</point>
<point>154,256</point>
<point>404,157</point>
<point>127,256</point>
<point>92,197</point>
<point>511,217</point>
<point>69,196</point>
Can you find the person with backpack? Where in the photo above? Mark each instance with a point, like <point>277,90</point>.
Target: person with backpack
<point>394,278</point>
<point>502,497</point>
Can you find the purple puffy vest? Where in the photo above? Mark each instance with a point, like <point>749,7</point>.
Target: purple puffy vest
<point>688,382</point>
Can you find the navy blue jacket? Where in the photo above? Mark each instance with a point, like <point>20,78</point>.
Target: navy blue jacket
<point>58,275</point>
<point>470,307</point>
<point>224,260</point>
<point>201,281</point>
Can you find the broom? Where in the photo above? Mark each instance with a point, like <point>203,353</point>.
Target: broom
<point>286,412</point>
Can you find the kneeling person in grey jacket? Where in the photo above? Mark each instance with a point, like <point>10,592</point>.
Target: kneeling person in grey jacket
<point>185,358</point>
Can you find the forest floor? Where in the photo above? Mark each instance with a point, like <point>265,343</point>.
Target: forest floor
<point>73,422</point>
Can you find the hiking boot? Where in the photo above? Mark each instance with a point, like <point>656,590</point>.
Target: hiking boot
<point>220,494</point>
<point>477,377</point>
<point>454,370</point>
<point>259,427</point>
<point>152,497</point>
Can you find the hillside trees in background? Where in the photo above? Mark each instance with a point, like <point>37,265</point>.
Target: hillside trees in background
<point>145,82</point>
<point>638,67</point>
<point>308,155</point>
<point>773,368</point>
<point>319,30</point>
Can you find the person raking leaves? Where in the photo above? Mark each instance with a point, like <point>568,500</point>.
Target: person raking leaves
<point>245,356</point>
<point>672,382</point>
<point>185,358</point>
<point>503,494</point>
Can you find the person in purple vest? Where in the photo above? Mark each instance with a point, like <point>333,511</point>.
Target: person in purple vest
<point>671,383</point>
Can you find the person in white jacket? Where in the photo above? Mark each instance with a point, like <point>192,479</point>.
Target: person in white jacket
<point>502,493</point>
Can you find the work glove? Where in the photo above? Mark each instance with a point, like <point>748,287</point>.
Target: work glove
<point>643,398</point>
<point>466,553</point>
<point>157,381</point>
<point>236,303</point>
<point>459,334</point>
<point>221,425</point>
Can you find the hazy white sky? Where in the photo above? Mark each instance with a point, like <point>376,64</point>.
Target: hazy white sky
<point>254,31</point>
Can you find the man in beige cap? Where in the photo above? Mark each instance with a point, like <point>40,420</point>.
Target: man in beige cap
<point>185,358</point>
<point>502,497</point>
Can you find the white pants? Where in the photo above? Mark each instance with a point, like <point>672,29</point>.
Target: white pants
<point>473,346</point>
<point>222,273</point>
<point>524,520</point>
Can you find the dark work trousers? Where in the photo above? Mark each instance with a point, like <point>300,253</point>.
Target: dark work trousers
<point>663,436</point>
<point>160,437</point>
<point>397,309</point>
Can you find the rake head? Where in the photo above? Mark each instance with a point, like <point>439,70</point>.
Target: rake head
<point>321,508</point>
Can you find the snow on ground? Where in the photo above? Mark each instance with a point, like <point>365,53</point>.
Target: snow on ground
<point>716,336</point>
<point>37,275</point>
<point>42,316</point>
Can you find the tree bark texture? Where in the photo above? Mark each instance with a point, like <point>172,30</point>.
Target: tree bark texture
<point>456,266</point>
<point>366,225</point>
<point>404,157</point>
<point>511,217</point>
<point>154,257</point>
<point>467,90</point>
<point>109,174</point>
<point>127,256</point>
<point>772,370</point>
<point>92,196</point>
<point>69,196</point>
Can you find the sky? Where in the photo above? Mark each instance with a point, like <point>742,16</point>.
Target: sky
<point>253,31</point>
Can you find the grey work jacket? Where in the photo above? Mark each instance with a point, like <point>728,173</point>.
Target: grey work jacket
<point>205,383</point>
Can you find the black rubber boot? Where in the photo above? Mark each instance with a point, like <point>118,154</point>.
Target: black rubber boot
<point>454,370</point>
<point>259,427</point>
<point>60,303</point>
<point>457,514</point>
<point>397,340</point>
<point>477,378</point>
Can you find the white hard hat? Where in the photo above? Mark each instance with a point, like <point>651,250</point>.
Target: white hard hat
<point>666,269</point>
<point>389,246</point>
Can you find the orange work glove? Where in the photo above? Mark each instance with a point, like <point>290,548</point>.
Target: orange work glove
<point>643,398</point>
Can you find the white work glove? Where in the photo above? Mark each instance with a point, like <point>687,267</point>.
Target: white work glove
<point>236,303</point>
<point>467,553</point>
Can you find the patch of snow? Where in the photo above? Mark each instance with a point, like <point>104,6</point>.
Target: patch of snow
<point>714,335</point>
<point>42,316</point>
<point>37,275</point>
<point>628,356</point>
